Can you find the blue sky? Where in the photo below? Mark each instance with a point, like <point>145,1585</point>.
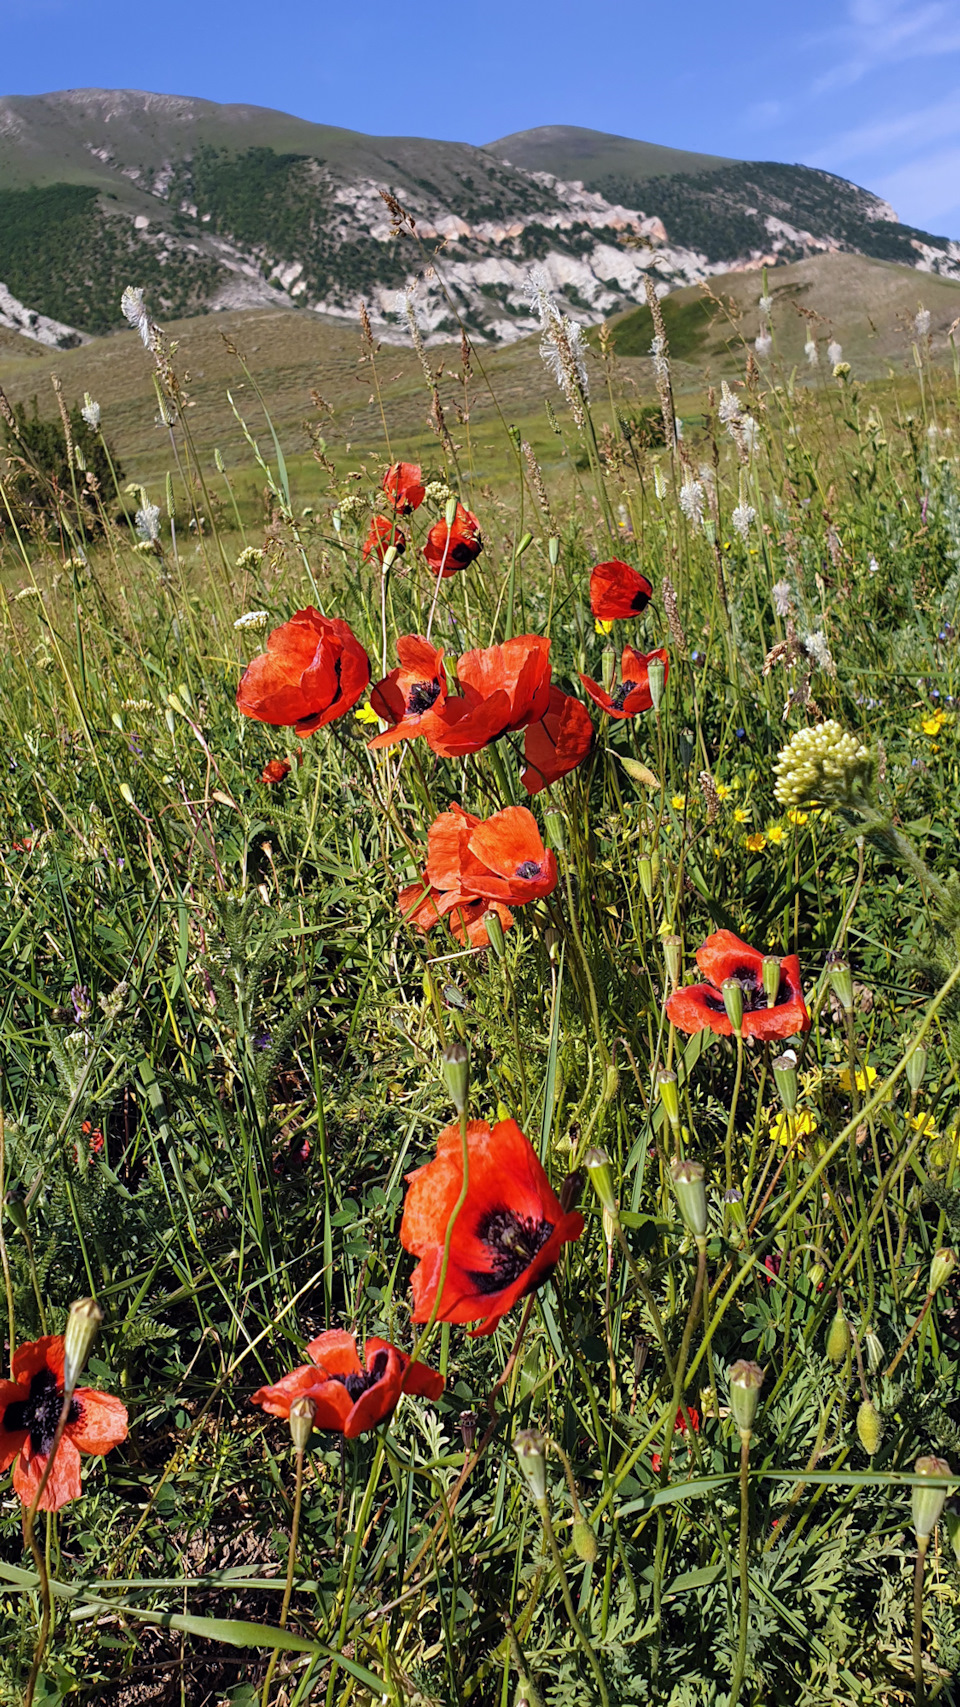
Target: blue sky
<point>866,88</point>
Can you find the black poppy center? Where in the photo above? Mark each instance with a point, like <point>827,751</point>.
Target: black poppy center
<point>754,994</point>
<point>358,1384</point>
<point>528,870</point>
<point>40,1412</point>
<point>619,694</point>
<point>421,696</point>
<point>640,601</point>
<point>513,1241</point>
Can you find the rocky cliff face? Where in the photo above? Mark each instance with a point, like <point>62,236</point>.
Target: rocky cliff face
<point>210,208</point>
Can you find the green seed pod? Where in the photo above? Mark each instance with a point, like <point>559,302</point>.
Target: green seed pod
<point>733,1002</point>
<point>600,1172</point>
<point>455,1067</point>
<point>691,1194</point>
<point>771,978</point>
<point>669,1094</point>
<point>584,1541</point>
<point>928,1503</point>
<point>916,1067</point>
<point>671,959</point>
<point>746,1379</point>
<point>941,1268</point>
<point>839,1339</point>
<point>869,1427</point>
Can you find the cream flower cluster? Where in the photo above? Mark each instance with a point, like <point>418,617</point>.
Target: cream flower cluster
<point>822,766</point>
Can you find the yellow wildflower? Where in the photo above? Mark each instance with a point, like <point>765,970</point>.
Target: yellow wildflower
<point>741,816</point>
<point>864,1079</point>
<point>785,1127</point>
<point>679,802</point>
<point>923,1122</point>
<point>933,724</point>
<point>723,790</point>
<point>775,834</point>
<point>602,627</point>
<point>755,843</point>
<point>366,714</point>
<point>795,817</point>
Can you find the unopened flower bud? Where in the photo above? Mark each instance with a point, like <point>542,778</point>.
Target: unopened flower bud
<point>611,1084</point>
<point>389,558</point>
<point>916,1067</point>
<point>455,1068</point>
<point>746,1380</point>
<point>671,958</point>
<point>839,1339</point>
<point>669,1093</point>
<point>83,1323</point>
<point>301,1420</point>
<point>771,978</point>
<point>494,931</point>
<point>785,1076</point>
<point>584,1541</point>
<point>691,1195</point>
<point>869,1428</point>
<point>16,1209</point>
<point>608,667</point>
<point>337,521</point>
<point>450,511</point>
<point>553,550</point>
<point>841,977</point>
<point>874,1350</point>
<point>555,830</point>
<point>941,1268</point>
<point>609,1229</point>
<point>570,1190</point>
<point>531,1450</point>
<point>551,942</point>
<point>817,1275</point>
<point>732,991</point>
<point>468,1429</point>
<point>646,876</point>
<point>928,1503</point>
<point>600,1172</point>
<point>656,676</point>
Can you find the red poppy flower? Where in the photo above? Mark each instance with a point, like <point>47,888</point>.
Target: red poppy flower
<point>423,907</point>
<point>632,693</point>
<point>30,1407</point>
<point>350,1397</point>
<point>408,694</point>
<point>403,486</point>
<point>680,1422</point>
<point>501,688</point>
<point>616,590</point>
<point>558,743</point>
<point>383,533</point>
<point>314,670</point>
<point>723,955</point>
<point>507,1237</point>
<point>502,857</point>
<point>450,549</point>
<point>275,770</point>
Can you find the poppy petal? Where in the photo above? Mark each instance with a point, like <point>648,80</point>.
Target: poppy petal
<point>698,1007</point>
<point>724,955</point>
<point>558,743</point>
<point>102,1423</point>
<point>335,1352</point>
<point>45,1353</point>
<point>63,1483</point>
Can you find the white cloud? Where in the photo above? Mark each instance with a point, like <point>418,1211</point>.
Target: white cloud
<point>880,33</point>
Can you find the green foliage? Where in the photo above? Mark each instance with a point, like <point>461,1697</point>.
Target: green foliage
<point>39,479</point>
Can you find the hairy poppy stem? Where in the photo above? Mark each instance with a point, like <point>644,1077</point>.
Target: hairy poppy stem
<point>728,1142</point>
<point>424,1339</point>
<point>919,1690</point>
<point>741,1660</point>
<point>30,1540</point>
<point>575,1623</point>
<point>288,1587</point>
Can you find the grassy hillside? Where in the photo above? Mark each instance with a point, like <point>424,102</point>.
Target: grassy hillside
<point>568,151</point>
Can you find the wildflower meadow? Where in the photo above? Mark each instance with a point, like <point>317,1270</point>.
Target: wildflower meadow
<point>480,1045</point>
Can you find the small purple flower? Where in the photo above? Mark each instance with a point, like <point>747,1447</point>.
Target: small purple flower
<point>82,1005</point>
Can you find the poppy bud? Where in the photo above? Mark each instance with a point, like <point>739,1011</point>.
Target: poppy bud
<point>841,977</point>
<point>646,876</point>
<point>874,1350</point>
<point>818,1275</point>
<point>928,1503</point>
<point>608,667</point>
<point>551,942</point>
<point>839,1339</point>
<point>656,676</point>
<point>17,1211</point>
<point>389,558</point>
<point>916,1067</point>
<point>468,1429</point>
<point>609,1229</point>
<point>570,1190</point>
<point>669,1093</point>
<point>600,1171</point>
<point>531,1450</point>
<point>337,521</point>
<point>455,1068</point>
<point>869,1428</point>
<point>126,793</point>
<point>611,1084</point>
<point>526,541</point>
<point>732,991</point>
<point>943,1264</point>
<point>584,1541</point>
<point>79,1334</point>
<point>553,550</point>
<point>301,1418</point>
<point>671,958</point>
<point>494,932</point>
<point>771,978</point>
<point>785,1074</point>
<point>691,1195</point>
<point>450,511</point>
<point>555,831</point>
<point>746,1379</point>
<point>733,1208</point>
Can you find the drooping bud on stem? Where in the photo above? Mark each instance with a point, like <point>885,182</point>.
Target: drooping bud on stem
<point>301,1419</point>
<point>531,1450</point>
<point>83,1323</point>
<point>746,1380</point>
<point>600,1171</point>
<point>691,1195</point>
<point>928,1503</point>
<point>455,1068</point>
<point>733,1002</point>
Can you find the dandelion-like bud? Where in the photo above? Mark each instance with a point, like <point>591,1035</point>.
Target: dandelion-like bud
<point>785,1076</point>
<point>942,1267</point>
<point>928,1503</point>
<point>455,1068</point>
<point>301,1419</point>
<point>691,500</point>
<point>746,1380</point>
<point>743,518</point>
<point>147,523</point>
<point>600,1171</point>
<point>530,1447</point>
<point>691,1194</point>
<point>834,352</point>
<point>824,766</point>
<point>810,351</point>
<point>83,1324</point>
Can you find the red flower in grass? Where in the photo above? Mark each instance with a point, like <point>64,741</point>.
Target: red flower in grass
<point>423,907</point>
<point>558,743</point>
<point>632,693</point>
<point>501,688</point>
<point>722,956</point>
<point>450,549</point>
<point>507,1238</point>
<point>403,487</point>
<point>30,1407</point>
<point>679,1424</point>
<point>410,693</point>
<point>350,1397</point>
<point>275,770</point>
<point>314,670</point>
<point>382,534</point>
<point>502,858</point>
<point>616,590</point>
